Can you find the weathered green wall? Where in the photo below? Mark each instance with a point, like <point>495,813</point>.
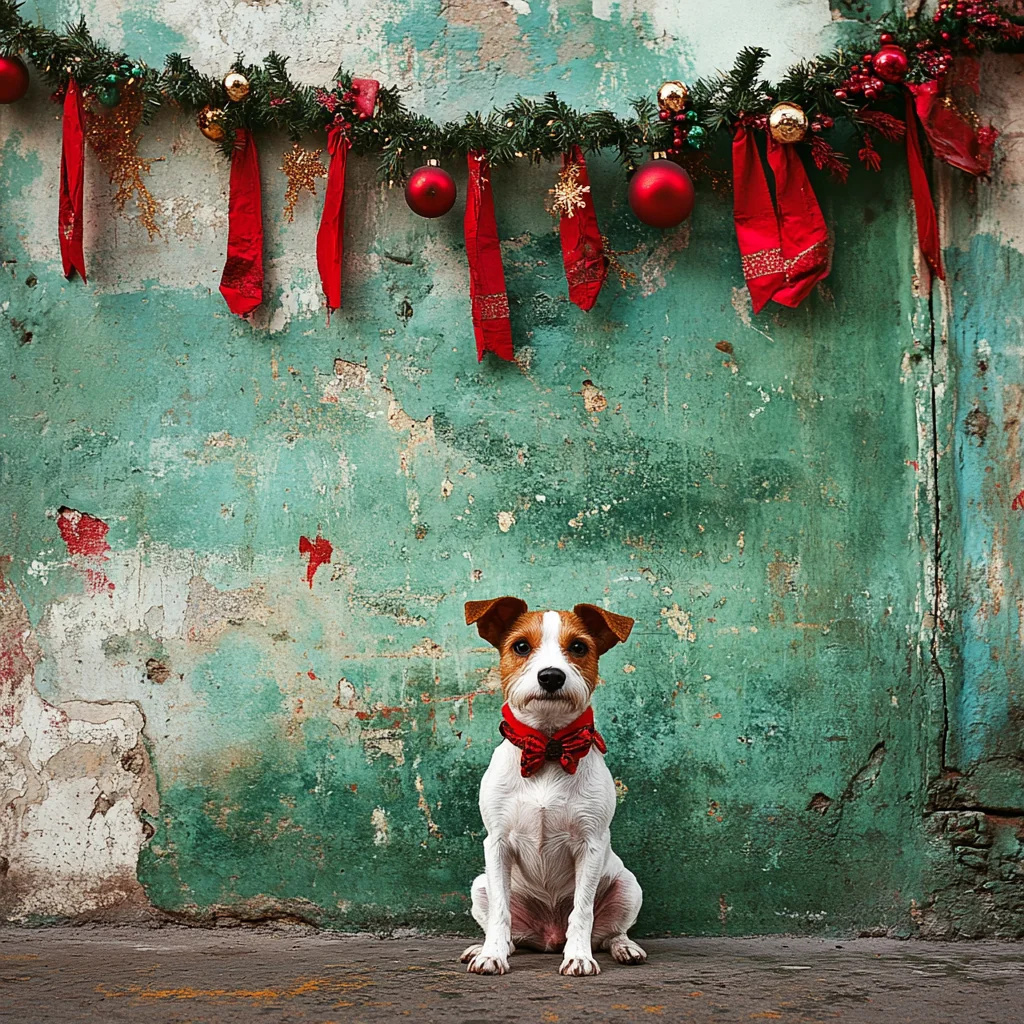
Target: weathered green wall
<point>779,721</point>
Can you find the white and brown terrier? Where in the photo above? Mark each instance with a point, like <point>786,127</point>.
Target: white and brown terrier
<point>552,880</point>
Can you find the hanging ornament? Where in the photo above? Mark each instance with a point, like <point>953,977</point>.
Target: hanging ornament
<point>783,240</point>
<point>891,64</point>
<point>488,298</point>
<point>108,95</point>
<point>113,137</point>
<point>301,167</point>
<point>13,79</point>
<point>661,193</point>
<point>236,85</point>
<point>241,284</point>
<point>570,193</point>
<point>72,182</point>
<point>430,190</point>
<point>211,123</point>
<point>787,123</point>
<point>672,97</point>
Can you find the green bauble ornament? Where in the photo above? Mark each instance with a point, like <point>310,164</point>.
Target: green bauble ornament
<point>112,79</point>
<point>697,136</point>
<point>108,95</point>
<point>691,116</point>
<point>138,71</point>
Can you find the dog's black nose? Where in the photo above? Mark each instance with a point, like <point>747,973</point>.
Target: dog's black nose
<point>551,679</point>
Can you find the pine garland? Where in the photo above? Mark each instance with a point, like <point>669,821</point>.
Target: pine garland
<point>526,128</point>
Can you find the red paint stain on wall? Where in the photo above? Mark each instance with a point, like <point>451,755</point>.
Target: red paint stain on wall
<point>86,536</point>
<point>319,551</point>
<point>1018,503</point>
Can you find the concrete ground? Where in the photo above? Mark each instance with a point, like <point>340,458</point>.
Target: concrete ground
<point>193,976</point>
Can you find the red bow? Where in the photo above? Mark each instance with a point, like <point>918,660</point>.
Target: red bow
<point>567,746</point>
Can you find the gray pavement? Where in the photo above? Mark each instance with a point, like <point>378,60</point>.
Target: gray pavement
<point>183,975</point>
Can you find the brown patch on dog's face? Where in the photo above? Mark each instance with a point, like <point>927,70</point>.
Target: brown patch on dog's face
<point>527,629</point>
<point>579,647</point>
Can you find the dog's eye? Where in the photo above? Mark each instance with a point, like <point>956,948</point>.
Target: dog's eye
<point>578,648</point>
<point>521,647</point>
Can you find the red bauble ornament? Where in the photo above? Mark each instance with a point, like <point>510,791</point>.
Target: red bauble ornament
<point>661,194</point>
<point>13,79</point>
<point>430,191</point>
<point>891,64</point>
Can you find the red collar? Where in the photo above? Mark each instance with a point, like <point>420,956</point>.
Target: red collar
<point>567,746</point>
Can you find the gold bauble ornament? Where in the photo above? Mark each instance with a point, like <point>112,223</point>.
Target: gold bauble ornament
<point>787,122</point>
<point>236,85</point>
<point>672,96</point>
<point>211,123</point>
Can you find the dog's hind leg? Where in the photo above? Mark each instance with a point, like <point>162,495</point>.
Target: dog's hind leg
<point>614,914</point>
<point>479,912</point>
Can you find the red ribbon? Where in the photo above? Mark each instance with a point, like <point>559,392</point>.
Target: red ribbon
<point>568,746</point>
<point>491,323</point>
<point>330,238</point>
<point>586,265</point>
<point>924,208</point>
<point>241,284</point>
<point>953,139</point>
<point>72,178</point>
<point>784,247</point>
<point>802,229</point>
<point>330,241</point>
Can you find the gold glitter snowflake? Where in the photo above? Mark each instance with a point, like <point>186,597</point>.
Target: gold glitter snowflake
<point>301,167</point>
<point>568,195</point>
<point>113,136</point>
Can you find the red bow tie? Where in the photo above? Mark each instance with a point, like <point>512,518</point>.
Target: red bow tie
<point>566,746</point>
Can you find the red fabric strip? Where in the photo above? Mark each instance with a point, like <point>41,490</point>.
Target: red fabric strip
<point>586,266</point>
<point>952,139</point>
<point>72,178</point>
<point>802,229</point>
<point>491,323</point>
<point>924,208</point>
<point>757,227</point>
<point>330,240</point>
<point>241,284</point>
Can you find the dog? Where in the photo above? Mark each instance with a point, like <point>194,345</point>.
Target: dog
<point>552,881</point>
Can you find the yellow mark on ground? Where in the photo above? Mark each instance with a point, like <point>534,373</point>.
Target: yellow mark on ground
<point>299,987</point>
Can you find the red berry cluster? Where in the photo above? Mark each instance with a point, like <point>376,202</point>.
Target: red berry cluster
<point>820,122</point>
<point>937,60</point>
<point>861,80</point>
<point>332,101</point>
<point>980,14</point>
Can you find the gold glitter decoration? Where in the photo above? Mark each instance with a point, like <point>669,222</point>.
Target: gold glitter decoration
<point>626,276</point>
<point>568,195</point>
<point>113,135</point>
<point>211,123</point>
<point>301,167</point>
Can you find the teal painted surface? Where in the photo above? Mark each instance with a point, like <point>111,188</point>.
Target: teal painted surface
<point>764,514</point>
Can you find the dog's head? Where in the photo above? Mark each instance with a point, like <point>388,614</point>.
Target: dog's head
<point>548,659</point>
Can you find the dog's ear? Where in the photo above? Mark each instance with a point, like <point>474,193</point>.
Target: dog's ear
<point>494,617</point>
<point>607,628</point>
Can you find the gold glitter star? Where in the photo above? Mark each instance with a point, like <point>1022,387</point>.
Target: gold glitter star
<point>301,167</point>
<point>568,195</point>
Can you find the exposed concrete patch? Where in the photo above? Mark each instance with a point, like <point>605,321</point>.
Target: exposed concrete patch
<point>679,622</point>
<point>210,611</point>
<point>75,782</point>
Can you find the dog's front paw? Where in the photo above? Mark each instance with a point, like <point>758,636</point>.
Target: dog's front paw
<point>482,964</point>
<point>626,951</point>
<point>471,951</point>
<point>578,966</point>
